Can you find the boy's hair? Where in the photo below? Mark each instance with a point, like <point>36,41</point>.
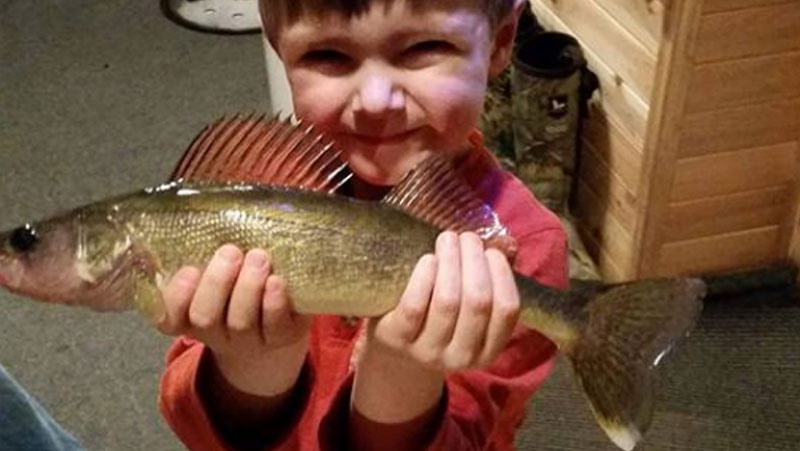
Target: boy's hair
<point>276,14</point>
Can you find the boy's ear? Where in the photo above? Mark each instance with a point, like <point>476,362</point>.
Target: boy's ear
<point>503,42</point>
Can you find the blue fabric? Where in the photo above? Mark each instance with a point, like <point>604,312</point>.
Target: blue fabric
<point>25,425</point>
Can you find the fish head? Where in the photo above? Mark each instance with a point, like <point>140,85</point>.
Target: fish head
<point>37,260</point>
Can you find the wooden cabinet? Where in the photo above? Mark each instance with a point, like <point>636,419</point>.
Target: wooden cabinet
<point>691,152</point>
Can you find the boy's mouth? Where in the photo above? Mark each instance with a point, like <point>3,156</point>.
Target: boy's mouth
<point>384,139</point>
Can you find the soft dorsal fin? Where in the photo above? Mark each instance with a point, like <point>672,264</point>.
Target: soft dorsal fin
<point>434,192</point>
<point>250,149</point>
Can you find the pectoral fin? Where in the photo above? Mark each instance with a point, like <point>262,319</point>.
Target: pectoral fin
<point>147,297</point>
<point>434,193</point>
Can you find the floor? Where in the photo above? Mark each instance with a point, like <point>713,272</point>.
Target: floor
<point>100,98</point>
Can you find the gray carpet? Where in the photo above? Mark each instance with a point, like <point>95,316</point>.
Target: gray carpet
<point>99,98</point>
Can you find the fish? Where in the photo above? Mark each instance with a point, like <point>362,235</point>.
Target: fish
<point>272,183</point>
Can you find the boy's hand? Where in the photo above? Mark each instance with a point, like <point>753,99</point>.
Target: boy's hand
<point>241,311</point>
<point>458,311</point>
<point>459,308</point>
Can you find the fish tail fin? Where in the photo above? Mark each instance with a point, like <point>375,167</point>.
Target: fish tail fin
<point>624,331</point>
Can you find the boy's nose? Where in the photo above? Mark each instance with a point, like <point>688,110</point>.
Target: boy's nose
<point>377,95</point>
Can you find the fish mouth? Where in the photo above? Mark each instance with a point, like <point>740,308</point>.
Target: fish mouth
<point>7,279</point>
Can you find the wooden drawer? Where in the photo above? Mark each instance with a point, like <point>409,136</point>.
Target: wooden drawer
<point>735,171</point>
<point>748,33</point>
<point>754,125</point>
<point>608,240</point>
<point>644,19</point>
<point>610,143</point>
<point>712,6</point>
<point>731,83</point>
<point>736,212</point>
<point>694,168</point>
<point>749,248</point>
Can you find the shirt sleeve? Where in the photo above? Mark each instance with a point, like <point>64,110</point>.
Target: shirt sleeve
<point>179,401</point>
<point>183,408</point>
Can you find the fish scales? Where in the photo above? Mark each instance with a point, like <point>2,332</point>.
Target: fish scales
<point>345,257</point>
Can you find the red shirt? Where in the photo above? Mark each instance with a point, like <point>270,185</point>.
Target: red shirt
<point>481,408</point>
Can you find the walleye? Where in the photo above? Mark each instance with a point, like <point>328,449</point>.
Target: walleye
<point>270,184</point>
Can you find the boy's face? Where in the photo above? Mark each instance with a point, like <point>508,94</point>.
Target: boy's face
<point>393,83</point>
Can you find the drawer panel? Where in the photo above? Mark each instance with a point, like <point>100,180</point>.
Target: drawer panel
<point>616,150</point>
<point>739,82</point>
<point>736,171</point>
<point>607,238</point>
<point>712,6</point>
<point>642,18</point>
<point>732,251</point>
<point>729,213</point>
<point>757,125</point>
<point>749,32</point>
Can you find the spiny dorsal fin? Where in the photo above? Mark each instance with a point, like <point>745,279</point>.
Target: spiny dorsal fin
<point>433,192</point>
<point>250,149</point>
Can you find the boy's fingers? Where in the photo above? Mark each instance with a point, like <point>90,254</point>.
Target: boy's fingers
<point>211,298</point>
<point>506,307</point>
<point>405,321</point>
<point>244,310</point>
<point>177,295</point>
<point>276,315</point>
<point>446,299</point>
<point>476,305</point>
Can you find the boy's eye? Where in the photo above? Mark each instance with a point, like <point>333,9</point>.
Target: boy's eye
<point>327,60</point>
<point>325,56</point>
<point>430,46</point>
<point>425,53</point>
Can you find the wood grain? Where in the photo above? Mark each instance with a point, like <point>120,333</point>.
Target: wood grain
<point>606,265</point>
<point>608,186</point>
<point>728,213</point>
<point>713,6</point>
<point>611,145</point>
<point>744,81</point>
<point>736,171</point>
<point>643,19</point>
<point>740,127</point>
<point>736,250</point>
<point>598,220</point>
<point>749,32</point>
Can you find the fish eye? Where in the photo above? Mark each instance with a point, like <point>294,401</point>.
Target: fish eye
<point>23,238</point>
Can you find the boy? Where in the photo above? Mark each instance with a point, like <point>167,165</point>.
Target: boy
<point>388,80</point>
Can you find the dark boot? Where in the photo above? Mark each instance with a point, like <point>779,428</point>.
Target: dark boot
<point>545,87</point>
